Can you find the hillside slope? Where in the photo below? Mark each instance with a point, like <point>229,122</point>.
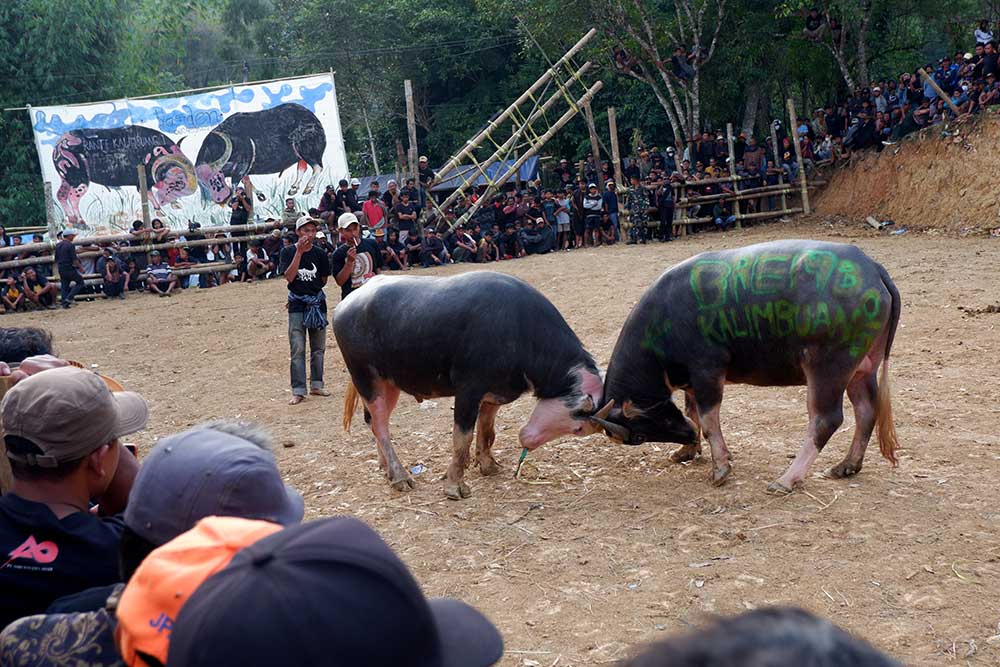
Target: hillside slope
<point>946,177</point>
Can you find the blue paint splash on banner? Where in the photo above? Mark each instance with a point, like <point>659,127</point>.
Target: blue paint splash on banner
<point>170,115</point>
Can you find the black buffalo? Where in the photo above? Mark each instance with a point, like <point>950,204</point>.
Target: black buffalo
<point>111,157</point>
<point>484,338</point>
<point>261,142</point>
<point>774,314</point>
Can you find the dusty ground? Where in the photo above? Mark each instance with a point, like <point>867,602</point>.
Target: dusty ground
<point>606,547</point>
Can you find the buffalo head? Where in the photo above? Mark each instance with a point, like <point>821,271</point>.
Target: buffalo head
<point>657,422</point>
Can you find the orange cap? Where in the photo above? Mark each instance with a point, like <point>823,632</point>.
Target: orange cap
<point>167,578</point>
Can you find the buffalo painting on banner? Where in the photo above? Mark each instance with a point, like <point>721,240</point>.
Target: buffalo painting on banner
<point>283,137</point>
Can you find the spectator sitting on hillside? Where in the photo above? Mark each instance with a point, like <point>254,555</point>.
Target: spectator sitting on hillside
<point>160,278</point>
<point>723,216</point>
<point>258,262</point>
<point>814,28</point>
<point>114,280</point>
<point>37,289</point>
<point>394,253</point>
<point>11,294</point>
<point>238,478</point>
<point>412,244</point>
<point>340,566</point>
<point>62,430</point>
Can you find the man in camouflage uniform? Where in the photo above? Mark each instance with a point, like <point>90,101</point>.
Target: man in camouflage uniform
<point>637,203</point>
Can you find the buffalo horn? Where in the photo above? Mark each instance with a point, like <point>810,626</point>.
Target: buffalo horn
<point>616,431</point>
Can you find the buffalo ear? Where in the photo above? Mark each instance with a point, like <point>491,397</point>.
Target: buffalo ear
<point>629,410</point>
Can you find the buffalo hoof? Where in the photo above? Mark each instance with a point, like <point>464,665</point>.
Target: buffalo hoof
<point>489,466</point>
<point>260,195</point>
<point>404,483</point>
<point>720,474</point>
<point>685,453</point>
<point>844,469</point>
<point>293,190</point>
<point>457,491</point>
<point>308,190</point>
<point>778,489</point>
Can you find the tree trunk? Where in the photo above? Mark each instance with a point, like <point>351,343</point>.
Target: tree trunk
<point>866,17</point>
<point>753,95</point>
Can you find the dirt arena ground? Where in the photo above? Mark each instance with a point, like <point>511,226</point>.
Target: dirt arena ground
<point>603,547</point>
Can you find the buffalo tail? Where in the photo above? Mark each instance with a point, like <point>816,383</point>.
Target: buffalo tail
<point>350,404</point>
<point>887,441</point>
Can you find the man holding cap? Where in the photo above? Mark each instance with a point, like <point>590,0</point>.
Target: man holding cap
<point>306,269</point>
<point>62,430</point>
<point>69,268</point>
<point>327,592</point>
<point>357,260</point>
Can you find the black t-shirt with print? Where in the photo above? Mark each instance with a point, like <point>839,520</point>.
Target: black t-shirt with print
<point>45,558</point>
<point>314,266</point>
<point>369,259</point>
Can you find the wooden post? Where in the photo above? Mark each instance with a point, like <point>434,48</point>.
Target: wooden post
<point>794,128</point>
<point>50,211</point>
<point>411,126</point>
<point>732,174</point>
<point>937,89</point>
<point>616,170</point>
<point>594,145</point>
<point>777,164</point>
<point>400,160</point>
<point>144,195</point>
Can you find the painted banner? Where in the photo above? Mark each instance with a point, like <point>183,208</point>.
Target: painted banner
<point>283,137</point>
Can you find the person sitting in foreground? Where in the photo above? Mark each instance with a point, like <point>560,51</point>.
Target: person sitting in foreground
<point>354,588</point>
<point>217,469</point>
<point>160,278</point>
<point>775,637</point>
<point>62,428</point>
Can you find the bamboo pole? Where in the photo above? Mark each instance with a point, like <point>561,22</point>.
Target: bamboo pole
<point>740,196</point>
<point>537,146</point>
<point>732,171</point>
<point>937,89</point>
<point>595,147</point>
<point>794,129</point>
<point>411,127</point>
<point>143,194</point>
<point>111,238</point>
<point>616,171</point>
<point>777,162</point>
<point>749,216</point>
<point>495,123</point>
<point>166,245</point>
<point>208,267</point>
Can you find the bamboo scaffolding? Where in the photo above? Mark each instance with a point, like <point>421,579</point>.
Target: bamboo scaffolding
<point>794,129</point>
<point>495,123</point>
<point>91,279</point>
<point>748,216</point>
<point>536,146</point>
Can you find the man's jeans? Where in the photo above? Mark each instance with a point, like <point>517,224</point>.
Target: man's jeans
<point>67,276</point>
<point>297,343</point>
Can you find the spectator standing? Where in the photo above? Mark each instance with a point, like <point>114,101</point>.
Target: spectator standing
<point>69,268</point>
<point>593,206</point>
<point>610,198</point>
<point>637,199</point>
<point>306,270</point>
<point>356,261</point>
<point>426,176</point>
<point>373,210</point>
<point>405,214</point>
<point>241,209</point>
<point>62,431</point>
<point>563,227</point>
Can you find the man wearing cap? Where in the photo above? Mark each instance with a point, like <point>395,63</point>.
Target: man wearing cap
<point>69,268</point>
<point>62,428</point>
<point>221,470</point>
<point>160,278</point>
<point>426,176</point>
<point>367,609</point>
<point>306,269</point>
<point>356,189</point>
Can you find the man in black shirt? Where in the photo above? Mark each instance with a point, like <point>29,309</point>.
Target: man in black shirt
<point>69,268</point>
<point>426,176</point>
<point>357,260</point>
<point>62,429</point>
<point>306,269</point>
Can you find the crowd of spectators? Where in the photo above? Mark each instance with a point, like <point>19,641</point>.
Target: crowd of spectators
<point>199,554</point>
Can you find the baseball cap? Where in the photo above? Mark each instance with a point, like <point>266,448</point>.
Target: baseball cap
<point>68,413</point>
<point>346,220</point>
<point>355,181</point>
<point>69,232</point>
<point>169,575</point>
<point>305,220</point>
<point>276,233</point>
<point>155,253</point>
<point>326,593</point>
<point>592,185</point>
<point>320,235</point>
<point>379,232</point>
<point>206,472</point>
<point>423,158</point>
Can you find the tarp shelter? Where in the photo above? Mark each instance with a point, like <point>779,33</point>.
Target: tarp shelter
<point>457,178</point>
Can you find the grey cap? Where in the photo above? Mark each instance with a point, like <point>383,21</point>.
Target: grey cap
<point>204,472</point>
